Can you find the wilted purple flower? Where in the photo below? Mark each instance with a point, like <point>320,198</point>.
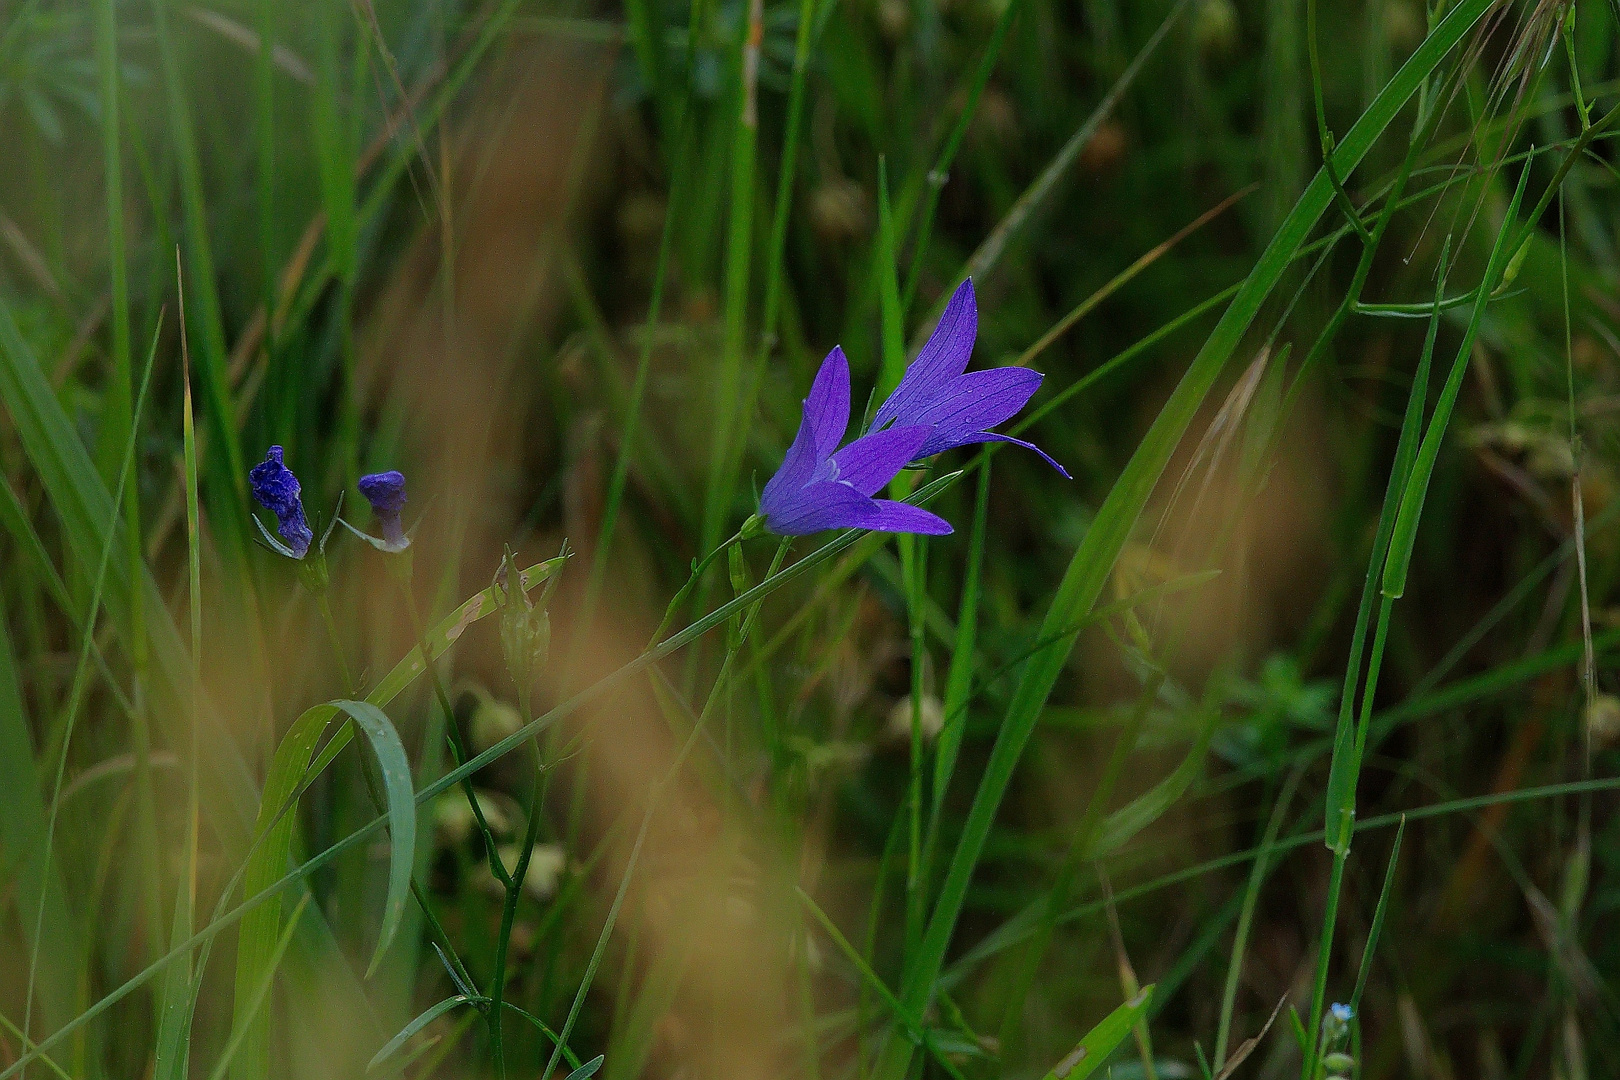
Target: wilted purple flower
<point>385,491</point>
<point>277,490</point>
<point>961,406</point>
<point>821,487</point>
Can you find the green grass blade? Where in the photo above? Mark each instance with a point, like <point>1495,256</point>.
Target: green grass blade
<point>989,252</point>
<point>256,1002</point>
<point>1251,897</point>
<point>423,1019</point>
<point>1404,538</point>
<point>787,166</point>
<point>228,473</point>
<point>959,679</point>
<point>939,175</point>
<point>1119,827</point>
<point>79,685</point>
<point>893,358</point>
<point>177,998</point>
<point>1344,768</point>
<point>1101,1041</point>
<point>1093,562</point>
<point>729,390</point>
<point>1379,913</point>
<point>396,777</point>
<point>587,1070</point>
<point>34,886</point>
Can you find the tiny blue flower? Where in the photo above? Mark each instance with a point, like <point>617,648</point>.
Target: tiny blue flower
<point>277,490</point>
<point>1342,1012</point>
<point>385,491</point>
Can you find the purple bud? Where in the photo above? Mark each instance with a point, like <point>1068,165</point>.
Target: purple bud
<point>277,490</point>
<point>385,491</point>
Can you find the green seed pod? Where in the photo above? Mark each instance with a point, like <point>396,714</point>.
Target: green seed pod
<point>1339,1063</point>
<point>525,627</point>
<point>525,639</point>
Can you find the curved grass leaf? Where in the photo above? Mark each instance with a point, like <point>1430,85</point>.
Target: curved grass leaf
<point>396,777</point>
<point>273,833</point>
<point>427,1017</point>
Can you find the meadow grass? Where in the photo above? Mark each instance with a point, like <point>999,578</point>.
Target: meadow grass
<point>1280,740</point>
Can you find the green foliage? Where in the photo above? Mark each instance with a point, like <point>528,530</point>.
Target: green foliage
<point>932,809</point>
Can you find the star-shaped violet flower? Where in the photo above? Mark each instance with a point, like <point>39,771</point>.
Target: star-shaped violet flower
<point>278,491</point>
<point>822,487</point>
<point>961,406</point>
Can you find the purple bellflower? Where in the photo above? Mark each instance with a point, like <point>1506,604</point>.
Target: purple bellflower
<point>822,487</point>
<point>277,490</point>
<point>385,491</point>
<point>960,406</point>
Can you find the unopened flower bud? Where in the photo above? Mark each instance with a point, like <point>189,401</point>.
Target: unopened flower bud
<point>525,626</point>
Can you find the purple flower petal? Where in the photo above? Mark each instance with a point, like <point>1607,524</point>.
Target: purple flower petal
<point>991,436</point>
<point>870,462</point>
<point>815,507</point>
<point>974,403</point>
<point>385,491</point>
<point>890,516</point>
<point>826,416</point>
<point>944,357</point>
<point>827,407</point>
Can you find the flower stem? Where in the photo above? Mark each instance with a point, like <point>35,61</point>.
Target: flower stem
<point>400,565</point>
<point>337,645</point>
<point>514,892</point>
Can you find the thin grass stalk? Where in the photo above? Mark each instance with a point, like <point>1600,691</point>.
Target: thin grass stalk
<point>729,391</point>
<point>940,174</point>
<point>1251,898</point>
<point>597,574</point>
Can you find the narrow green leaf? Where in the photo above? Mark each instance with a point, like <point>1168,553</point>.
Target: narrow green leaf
<point>1404,538</point>
<point>177,998</point>
<point>34,886</point>
<point>396,777</point>
<point>893,364</point>
<point>1379,913</point>
<point>1103,1040</point>
<point>256,1001</point>
<point>430,1014</point>
<point>587,1070</point>
<point>1344,771</point>
<point>1120,826</point>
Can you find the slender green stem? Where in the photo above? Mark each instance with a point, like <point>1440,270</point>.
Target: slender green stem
<point>514,893</point>
<point>336,642</point>
<point>400,565</point>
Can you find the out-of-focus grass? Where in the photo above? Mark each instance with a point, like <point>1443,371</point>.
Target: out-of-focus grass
<point>902,805</point>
